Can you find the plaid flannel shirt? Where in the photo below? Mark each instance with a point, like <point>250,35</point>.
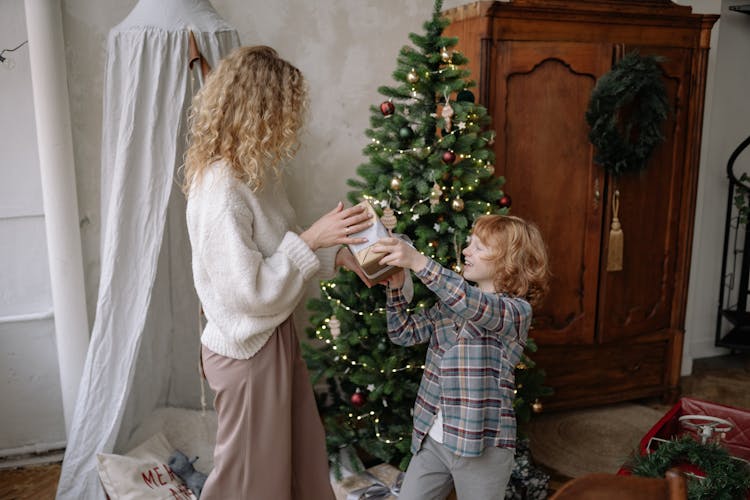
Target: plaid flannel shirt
<point>475,341</point>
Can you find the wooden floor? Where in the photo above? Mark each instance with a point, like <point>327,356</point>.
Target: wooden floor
<point>40,482</point>
<point>27,483</point>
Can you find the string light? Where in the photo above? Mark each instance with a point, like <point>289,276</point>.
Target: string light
<point>385,440</point>
<point>324,286</point>
<point>350,362</point>
<point>376,425</point>
<point>426,148</point>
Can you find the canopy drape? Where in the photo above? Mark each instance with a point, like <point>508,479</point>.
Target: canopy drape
<point>145,342</point>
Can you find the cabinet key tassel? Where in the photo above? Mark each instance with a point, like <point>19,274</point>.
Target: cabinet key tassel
<point>616,237</point>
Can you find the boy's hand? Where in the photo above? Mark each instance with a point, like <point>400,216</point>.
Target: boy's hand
<point>400,254</point>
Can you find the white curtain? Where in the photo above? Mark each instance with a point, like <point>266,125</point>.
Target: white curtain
<point>144,344</point>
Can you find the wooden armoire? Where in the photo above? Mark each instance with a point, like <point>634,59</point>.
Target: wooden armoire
<point>603,336</point>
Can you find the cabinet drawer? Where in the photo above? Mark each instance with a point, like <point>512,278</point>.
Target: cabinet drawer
<point>587,375</point>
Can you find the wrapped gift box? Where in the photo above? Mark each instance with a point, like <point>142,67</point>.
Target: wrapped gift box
<point>382,481</point>
<point>367,259</point>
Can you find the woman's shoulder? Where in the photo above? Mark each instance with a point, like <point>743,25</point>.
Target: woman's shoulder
<point>217,175</point>
<point>217,180</point>
<point>217,189</point>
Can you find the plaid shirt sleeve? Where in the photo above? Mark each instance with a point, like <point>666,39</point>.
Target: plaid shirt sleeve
<point>404,328</point>
<point>490,311</point>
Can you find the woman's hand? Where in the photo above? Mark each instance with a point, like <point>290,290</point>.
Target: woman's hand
<point>345,258</point>
<point>400,254</point>
<point>335,227</point>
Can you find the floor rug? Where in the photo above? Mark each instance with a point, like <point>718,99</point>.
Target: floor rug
<point>579,442</point>
<point>730,389</point>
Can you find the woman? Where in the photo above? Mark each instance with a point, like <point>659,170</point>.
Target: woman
<point>250,271</point>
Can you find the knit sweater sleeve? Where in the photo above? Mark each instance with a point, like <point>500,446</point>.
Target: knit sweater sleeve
<point>327,258</point>
<point>244,278</point>
<point>236,282</point>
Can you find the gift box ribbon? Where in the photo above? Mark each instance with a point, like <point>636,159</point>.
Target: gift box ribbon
<point>378,489</point>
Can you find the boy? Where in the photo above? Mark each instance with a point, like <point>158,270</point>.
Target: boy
<point>464,424</point>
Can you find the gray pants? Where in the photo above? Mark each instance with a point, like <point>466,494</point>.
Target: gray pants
<point>434,469</point>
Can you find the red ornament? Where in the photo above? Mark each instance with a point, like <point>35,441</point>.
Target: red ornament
<point>449,157</point>
<point>505,201</point>
<point>358,399</point>
<point>387,108</point>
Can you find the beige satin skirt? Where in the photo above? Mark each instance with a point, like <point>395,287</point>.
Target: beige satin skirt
<point>270,442</point>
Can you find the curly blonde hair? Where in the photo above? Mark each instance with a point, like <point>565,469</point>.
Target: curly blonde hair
<point>519,256</point>
<point>248,113</point>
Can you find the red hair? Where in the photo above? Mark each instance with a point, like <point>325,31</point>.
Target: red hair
<point>519,256</point>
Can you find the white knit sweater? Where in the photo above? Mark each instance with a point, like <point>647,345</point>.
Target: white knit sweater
<point>249,267</point>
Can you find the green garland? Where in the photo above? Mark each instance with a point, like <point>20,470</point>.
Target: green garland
<point>726,478</point>
<point>637,80</point>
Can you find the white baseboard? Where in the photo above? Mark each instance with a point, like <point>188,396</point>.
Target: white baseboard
<point>16,461</point>
<point>36,454</point>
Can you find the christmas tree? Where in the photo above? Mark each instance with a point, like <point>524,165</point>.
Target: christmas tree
<point>429,164</point>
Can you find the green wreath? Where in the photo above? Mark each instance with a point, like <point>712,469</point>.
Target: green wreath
<point>635,80</point>
<point>726,478</point>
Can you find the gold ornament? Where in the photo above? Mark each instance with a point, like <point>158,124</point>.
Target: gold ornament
<point>490,168</point>
<point>396,183</point>
<point>457,267</point>
<point>537,406</point>
<point>445,56</point>
<point>521,365</point>
<point>412,77</point>
<point>335,326</point>
<point>457,204</point>
<point>388,219</point>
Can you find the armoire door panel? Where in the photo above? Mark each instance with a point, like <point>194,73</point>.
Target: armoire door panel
<point>639,298</point>
<point>542,150</point>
